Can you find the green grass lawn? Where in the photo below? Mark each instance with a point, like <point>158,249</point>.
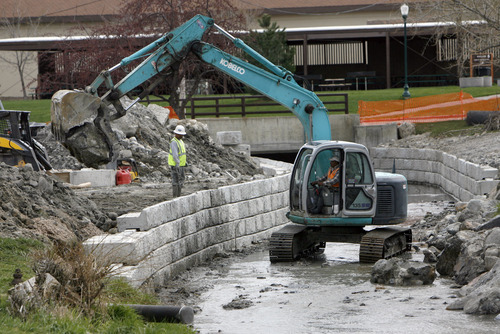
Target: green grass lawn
<point>40,109</point>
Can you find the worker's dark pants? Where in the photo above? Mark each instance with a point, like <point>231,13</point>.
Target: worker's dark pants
<point>177,180</point>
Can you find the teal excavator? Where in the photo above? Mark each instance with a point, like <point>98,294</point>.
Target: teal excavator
<point>363,208</point>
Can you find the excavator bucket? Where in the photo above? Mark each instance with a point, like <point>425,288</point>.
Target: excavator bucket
<point>80,121</point>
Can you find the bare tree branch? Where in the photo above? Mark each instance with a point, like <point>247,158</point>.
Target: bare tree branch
<point>474,25</point>
<point>18,25</point>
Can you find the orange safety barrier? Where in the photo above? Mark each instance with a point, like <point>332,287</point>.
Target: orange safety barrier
<point>427,109</point>
<point>172,113</point>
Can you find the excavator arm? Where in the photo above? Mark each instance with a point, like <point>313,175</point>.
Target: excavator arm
<point>277,84</point>
<point>163,53</point>
<point>73,109</point>
<point>81,120</point>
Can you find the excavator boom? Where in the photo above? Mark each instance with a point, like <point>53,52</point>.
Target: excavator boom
<point>303,103</point>
<point>81,119</point>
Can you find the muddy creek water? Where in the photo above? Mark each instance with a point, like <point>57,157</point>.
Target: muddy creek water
<point>331,293</point>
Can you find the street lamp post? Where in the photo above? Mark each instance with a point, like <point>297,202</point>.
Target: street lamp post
<point>404,13</point>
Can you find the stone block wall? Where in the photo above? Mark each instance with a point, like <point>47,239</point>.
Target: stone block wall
<point>169,237</point>
<point>462,179</point>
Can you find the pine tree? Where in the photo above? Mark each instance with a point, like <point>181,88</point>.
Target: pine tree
<point>271,44</point>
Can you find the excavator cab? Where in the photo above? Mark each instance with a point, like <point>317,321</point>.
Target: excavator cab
<point>340,213</point>
<point>354,196</point>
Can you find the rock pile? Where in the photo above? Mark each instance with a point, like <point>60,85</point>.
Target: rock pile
<point>144,134</point>
<point>465,243</point>
<point>43,207</point>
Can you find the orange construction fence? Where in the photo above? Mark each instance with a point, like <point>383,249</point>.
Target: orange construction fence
<point>172,113</point>
<point>427,109</point>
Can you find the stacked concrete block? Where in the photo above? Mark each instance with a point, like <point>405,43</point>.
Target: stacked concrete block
<point>373,135</point>
<point>169,237</point>
<point>272,167</point>
<point>96,177</point>
<point>465,82</point>
<point>233,139</point>
<point>462,179</point>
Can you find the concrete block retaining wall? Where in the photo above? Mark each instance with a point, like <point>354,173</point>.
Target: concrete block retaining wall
<point>169,237</point>
<point>165,239</point>
<point>462,179</point>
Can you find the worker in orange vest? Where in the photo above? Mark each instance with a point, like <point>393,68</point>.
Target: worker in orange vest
<point>332,177</point>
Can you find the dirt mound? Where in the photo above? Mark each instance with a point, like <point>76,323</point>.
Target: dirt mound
<point>144,134</point>
<point>36,205</point>
<point>40,206</point>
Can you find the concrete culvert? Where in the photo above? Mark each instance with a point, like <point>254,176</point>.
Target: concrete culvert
<point>478,116</point>
<point>159,313</point>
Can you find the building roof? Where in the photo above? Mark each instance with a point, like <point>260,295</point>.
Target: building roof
<point>82,10</point>
<point>79,8</point>
<point>284,7</point>
<point>75,9</point>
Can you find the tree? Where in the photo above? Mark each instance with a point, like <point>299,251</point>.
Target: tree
<point>472,25</point>
<point>271,44</point>
<point>152,18</point>
<point>17,25</point>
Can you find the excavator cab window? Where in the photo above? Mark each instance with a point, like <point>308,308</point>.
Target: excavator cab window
<point>4,127</point>
<point>358,177</point>
<point>298,178</point>
<point>325,198</point>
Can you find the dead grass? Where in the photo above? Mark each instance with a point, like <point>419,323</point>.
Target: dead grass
<point>81,278</point>
<point>493,122</point>
<point>449,129</point>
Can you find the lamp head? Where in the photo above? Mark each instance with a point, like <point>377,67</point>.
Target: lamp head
<point>404,10</point>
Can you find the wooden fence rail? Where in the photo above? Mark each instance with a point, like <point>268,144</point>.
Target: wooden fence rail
<point>199,106</point>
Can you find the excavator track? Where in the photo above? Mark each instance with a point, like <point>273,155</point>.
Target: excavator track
<point>384,243</point>
<point>292,242</point>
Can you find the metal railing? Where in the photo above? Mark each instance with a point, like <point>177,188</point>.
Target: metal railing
<point>250,105</point>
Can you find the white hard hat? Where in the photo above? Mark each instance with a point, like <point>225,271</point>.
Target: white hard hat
<point>334,159</point>
<point>179,129</point>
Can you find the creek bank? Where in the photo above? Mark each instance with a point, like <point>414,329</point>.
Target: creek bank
<point>464,244</point>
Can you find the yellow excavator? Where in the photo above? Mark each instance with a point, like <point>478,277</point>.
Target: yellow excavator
<point>17,146</point>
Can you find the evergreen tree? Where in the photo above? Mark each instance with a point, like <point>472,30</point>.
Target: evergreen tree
<point>271,44</point>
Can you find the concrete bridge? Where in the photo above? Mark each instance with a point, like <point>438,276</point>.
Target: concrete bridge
<point>285,134</point>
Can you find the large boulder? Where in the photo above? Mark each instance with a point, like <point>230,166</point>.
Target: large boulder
<point>482,295</point>
<point>449,255</point>
<point>399,272</point>
<point>470,263</point>
<point>406,129</point>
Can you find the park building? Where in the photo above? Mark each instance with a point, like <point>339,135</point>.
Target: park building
<point>339,44</point>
